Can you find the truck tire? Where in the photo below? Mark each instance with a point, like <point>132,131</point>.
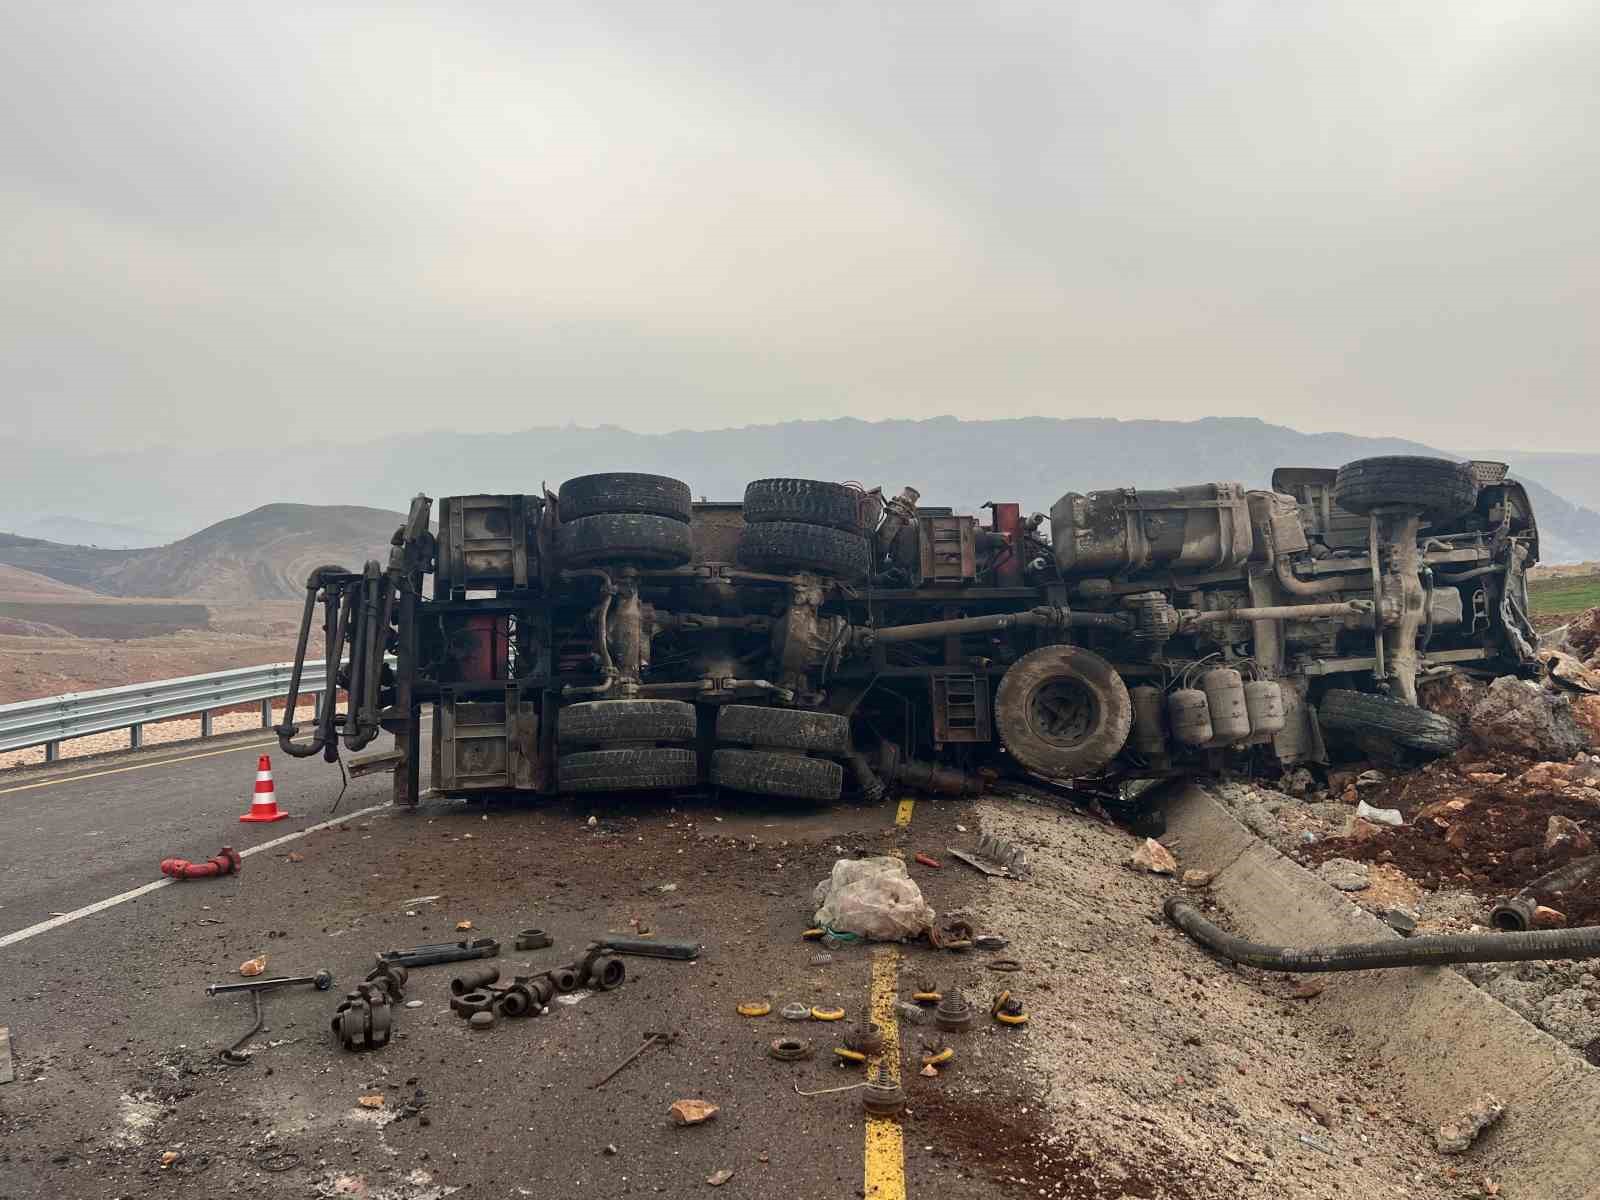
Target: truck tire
<point>784,546</point>
<point>808,501</point>
<point>624,492</point>
<point>785,728</point>
<point>600,721</point>
<point>1436,487</point>
<point>1063,711</point>
<point>1390,720</point>
<point>640,538</point>
<point>632,770</point>
<point>768,774</point>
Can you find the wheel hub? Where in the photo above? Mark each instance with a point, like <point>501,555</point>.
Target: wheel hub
<point>1063,712</point>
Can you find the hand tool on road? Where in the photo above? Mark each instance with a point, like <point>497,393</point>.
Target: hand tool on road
<point>650,1040</point>
<point>683,949</point>
<point>322,980</point>
<point>443,952</point>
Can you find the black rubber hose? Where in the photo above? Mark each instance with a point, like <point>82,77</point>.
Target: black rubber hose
<point>1583,942</point>
<point>1515,913</point>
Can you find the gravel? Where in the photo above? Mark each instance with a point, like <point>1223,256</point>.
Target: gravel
<point>1170,1074</point>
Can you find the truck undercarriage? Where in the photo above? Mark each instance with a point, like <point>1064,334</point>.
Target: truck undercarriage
<point>820,639</point>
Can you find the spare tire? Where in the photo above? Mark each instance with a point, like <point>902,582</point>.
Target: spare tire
<point>809,501</point>
<point>769,774</point>
<point>624,537</point>
<point>786,728</point>
<point>1436,487</point>
<point>1364,715</point>
<point>785,546</point>
<point>632,770</point>
<point>624,492</point>
<point>1063,711</point>
<point>626,721</point>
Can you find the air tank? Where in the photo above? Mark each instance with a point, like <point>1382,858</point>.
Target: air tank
<point>1263,703</point>
<point>1190,715</point>
<point>1224,692</point>
<point>1149,720</point>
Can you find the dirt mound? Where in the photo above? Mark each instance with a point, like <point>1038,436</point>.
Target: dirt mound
<point>265,554</point>
<point>1478,824</point>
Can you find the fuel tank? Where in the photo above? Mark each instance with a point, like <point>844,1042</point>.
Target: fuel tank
<point>1124,531</point>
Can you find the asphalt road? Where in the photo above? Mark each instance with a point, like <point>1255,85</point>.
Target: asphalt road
<point>76,834</point>
<point>116,1042</point>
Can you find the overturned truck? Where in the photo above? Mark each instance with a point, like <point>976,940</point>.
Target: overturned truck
<point>820,640</point>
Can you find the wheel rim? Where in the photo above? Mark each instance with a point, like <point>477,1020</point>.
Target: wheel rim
<point>1063,712</point>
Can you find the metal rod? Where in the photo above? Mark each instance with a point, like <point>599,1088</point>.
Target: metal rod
<point>612,1074</point>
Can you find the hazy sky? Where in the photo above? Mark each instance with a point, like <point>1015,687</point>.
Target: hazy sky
<point>225,222</point>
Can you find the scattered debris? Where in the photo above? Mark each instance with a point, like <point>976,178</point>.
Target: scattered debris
<point>8,1069</point>
<point>463,926</point>
<point>533,939</point>
<point>375,1100</point>
<point>789,1049</point>
<point>928,861</point>
<point>611,1150</point>
<point>990,941</point>
<point>481,1020</point>
<point>1402,920</point>
<point>1346,875</point>
<point>821,960</point>
<point>253,966</point>
<point>995,856</point>
<point>1379,816</point>
<point>1155,858</point>
<point>930,1071</point>
<point>295,856</point>
<point>1545,917</point>
<point>692,1112</point>
<point>649,1041</point>
<point>914,1013</point>
<point>873,898</point>
<point>224,862</point>
<point>1198,879</point>
<point>1307,989</point>
<point>718,1178</point>
<point>1457,1135</point>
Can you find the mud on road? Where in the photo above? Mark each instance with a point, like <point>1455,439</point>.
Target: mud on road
<point>1147,1070</point>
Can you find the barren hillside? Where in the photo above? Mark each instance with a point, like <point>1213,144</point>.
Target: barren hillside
<point>262,555</point>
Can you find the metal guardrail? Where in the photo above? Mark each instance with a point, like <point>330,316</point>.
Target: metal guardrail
<point>54,719</point>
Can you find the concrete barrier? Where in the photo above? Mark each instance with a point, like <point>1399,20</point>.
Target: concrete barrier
<point>1441,1040</point>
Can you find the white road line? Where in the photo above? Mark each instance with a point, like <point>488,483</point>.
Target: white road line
<point>89,910</point>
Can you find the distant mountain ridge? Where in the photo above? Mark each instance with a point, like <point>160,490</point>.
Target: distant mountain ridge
<point>951,461</point>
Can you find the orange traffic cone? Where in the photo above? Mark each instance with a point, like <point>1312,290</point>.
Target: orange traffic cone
<point>264,805</point>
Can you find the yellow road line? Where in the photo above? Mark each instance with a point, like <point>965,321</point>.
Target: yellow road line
<point>902,816</point>
<point>885,1168</point>
<point>160,762</point>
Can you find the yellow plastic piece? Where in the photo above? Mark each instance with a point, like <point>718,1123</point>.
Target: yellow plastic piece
<point>759,1008</point>
<point>927,997</point>
<point>933,1060</point>
<point>812,935</point>
<point>849,1055</point>
<point>827,1014</point>
<point>1011,1018</point>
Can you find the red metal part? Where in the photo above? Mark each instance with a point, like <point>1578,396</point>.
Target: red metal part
<point>928,862</point>
<point>224,862</point>
<point>1007,522</point>
<point>485,661</point>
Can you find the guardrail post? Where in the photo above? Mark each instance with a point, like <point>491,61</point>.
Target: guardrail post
<point>266,713</point>
<point>205,722</point>
<point>135,736</point>
<point>52,751</point>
